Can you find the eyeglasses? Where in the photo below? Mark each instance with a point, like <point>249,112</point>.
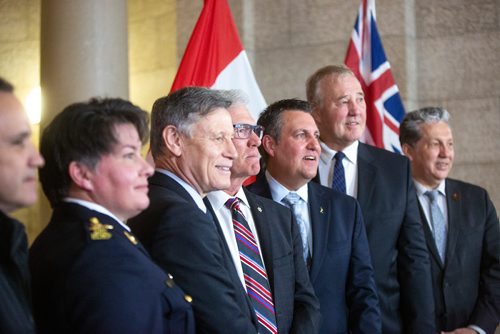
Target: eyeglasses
<point>244,131</point>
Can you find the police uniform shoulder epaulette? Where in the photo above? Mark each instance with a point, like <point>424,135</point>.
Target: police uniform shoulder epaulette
<point>99,231</point>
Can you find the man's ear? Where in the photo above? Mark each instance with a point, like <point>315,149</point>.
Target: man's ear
<point>172,140</point>
<point>81,175</point>
<point>269,145</point>
<point>408,151</point>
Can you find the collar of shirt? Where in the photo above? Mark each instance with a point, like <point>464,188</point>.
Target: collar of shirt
<point>278,191</point>
<point>421,189</point>
<point>191,191</point>
<point>95,207</point>
<point>219,198</point>
<point>351,153</point>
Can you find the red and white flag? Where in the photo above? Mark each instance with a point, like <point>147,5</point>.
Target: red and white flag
<point>215,57</point>
<point>366,57</point>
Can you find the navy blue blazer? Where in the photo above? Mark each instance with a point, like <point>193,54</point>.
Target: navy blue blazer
<point>184,240</point>
<point>401,264</point>
<point>467,286</point>
<point>297,308</point>
<point>341,270</point>
<point>100,280</point>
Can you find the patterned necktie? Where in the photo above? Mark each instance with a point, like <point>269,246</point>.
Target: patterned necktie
<point>292,200</point>
<point>437,223</point>
<point>253,270</point>
<point>338,182</point>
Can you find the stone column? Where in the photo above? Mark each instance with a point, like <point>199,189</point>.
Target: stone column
<point>84,52</point>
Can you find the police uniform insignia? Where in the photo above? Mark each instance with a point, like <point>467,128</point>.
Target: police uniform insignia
<point>170,281</point>
<point>130,237</point>
<point>99,231</point>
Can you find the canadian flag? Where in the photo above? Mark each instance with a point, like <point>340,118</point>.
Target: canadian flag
<point>215,57</point>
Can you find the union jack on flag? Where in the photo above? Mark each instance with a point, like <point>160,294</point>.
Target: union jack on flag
<point>366,57</point>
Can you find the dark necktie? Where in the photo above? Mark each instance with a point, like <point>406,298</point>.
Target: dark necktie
<point>338,182</point>
<point>438,223</point>
<point>254,272</point>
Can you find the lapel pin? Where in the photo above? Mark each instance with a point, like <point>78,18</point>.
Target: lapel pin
<point>455,196</point>
<point>259,209</point>
<point>320,209</point>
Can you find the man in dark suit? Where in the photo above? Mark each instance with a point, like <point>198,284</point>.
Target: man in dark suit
<point>331,223</point>
<point>19,161</point>
<point>461,227</point>
<point>277,238</point>
<point>381,182</point>
<point>191,144</point>
<point>90,274</point>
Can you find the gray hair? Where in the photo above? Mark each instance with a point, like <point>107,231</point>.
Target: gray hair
<point>313,83</point>
<point>409,130</point>
<point>235,96</point>
<point>182,109</point>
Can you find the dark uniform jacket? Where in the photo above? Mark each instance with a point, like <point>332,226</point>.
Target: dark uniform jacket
<point>15,306</point>
<point>92,276</point>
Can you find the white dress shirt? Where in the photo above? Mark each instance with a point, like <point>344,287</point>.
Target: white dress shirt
<point>278,192</point>
<point>425,202</point>
<point>192,192</point>
<point>350,163</point>
<point>218,199</point>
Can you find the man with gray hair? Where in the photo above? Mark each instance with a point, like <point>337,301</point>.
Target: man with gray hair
<point>193,152</point>
<point>291,306</point>
<point>461,228</point>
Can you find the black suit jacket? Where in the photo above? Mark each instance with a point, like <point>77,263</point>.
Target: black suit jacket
<point>399,254</point>
<point>106,285</point>
<point>297,308</point>
<point>15,287</point>
<point>184,240</point>
<point>467,286</point>
<point>341,270</point>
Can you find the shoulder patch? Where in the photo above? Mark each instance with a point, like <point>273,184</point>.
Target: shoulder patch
<point>99,231</point>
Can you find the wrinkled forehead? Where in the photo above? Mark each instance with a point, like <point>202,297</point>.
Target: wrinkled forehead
<point>240,114</point>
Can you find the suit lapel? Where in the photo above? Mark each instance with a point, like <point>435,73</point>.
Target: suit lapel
<point>162,180</point>
<point>262,222</point>
<point>367,172</point>
<point>319,225</point>
<point>454,205</point>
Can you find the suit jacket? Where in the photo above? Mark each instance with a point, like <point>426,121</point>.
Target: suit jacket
<point>467,286</point>
<point>15,298</point>
<point>341,270</point>
<point>90,277</point>
<point>297,308</point>
<point>184,240</point>
<point>399,254</point>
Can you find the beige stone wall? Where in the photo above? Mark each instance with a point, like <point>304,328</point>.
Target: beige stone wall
<point>444,53</point>
<point>152,61</point>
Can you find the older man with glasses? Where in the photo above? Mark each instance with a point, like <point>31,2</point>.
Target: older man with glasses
<point>272,266</point>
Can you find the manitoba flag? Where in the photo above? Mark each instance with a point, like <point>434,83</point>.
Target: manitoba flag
<point>215,57</point>
<point>366,57</point>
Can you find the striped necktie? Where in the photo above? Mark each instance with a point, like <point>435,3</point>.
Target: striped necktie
<point>438,223</point>
<point>338,182</point>
<point>254,272</point>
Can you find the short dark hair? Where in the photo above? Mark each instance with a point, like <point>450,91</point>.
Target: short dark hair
<point>182,109</point>
<point>272,118</point>
<point>6,86</point>
<point>409,130</point>
<point>83,132</point>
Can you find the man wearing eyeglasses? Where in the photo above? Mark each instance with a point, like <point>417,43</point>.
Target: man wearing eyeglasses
<point>243,218</point>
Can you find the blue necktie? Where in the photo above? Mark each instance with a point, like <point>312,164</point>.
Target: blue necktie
<point>292,200</point>
<point>254,272</point>
<point>338,182</point>
<point>438,223</point>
